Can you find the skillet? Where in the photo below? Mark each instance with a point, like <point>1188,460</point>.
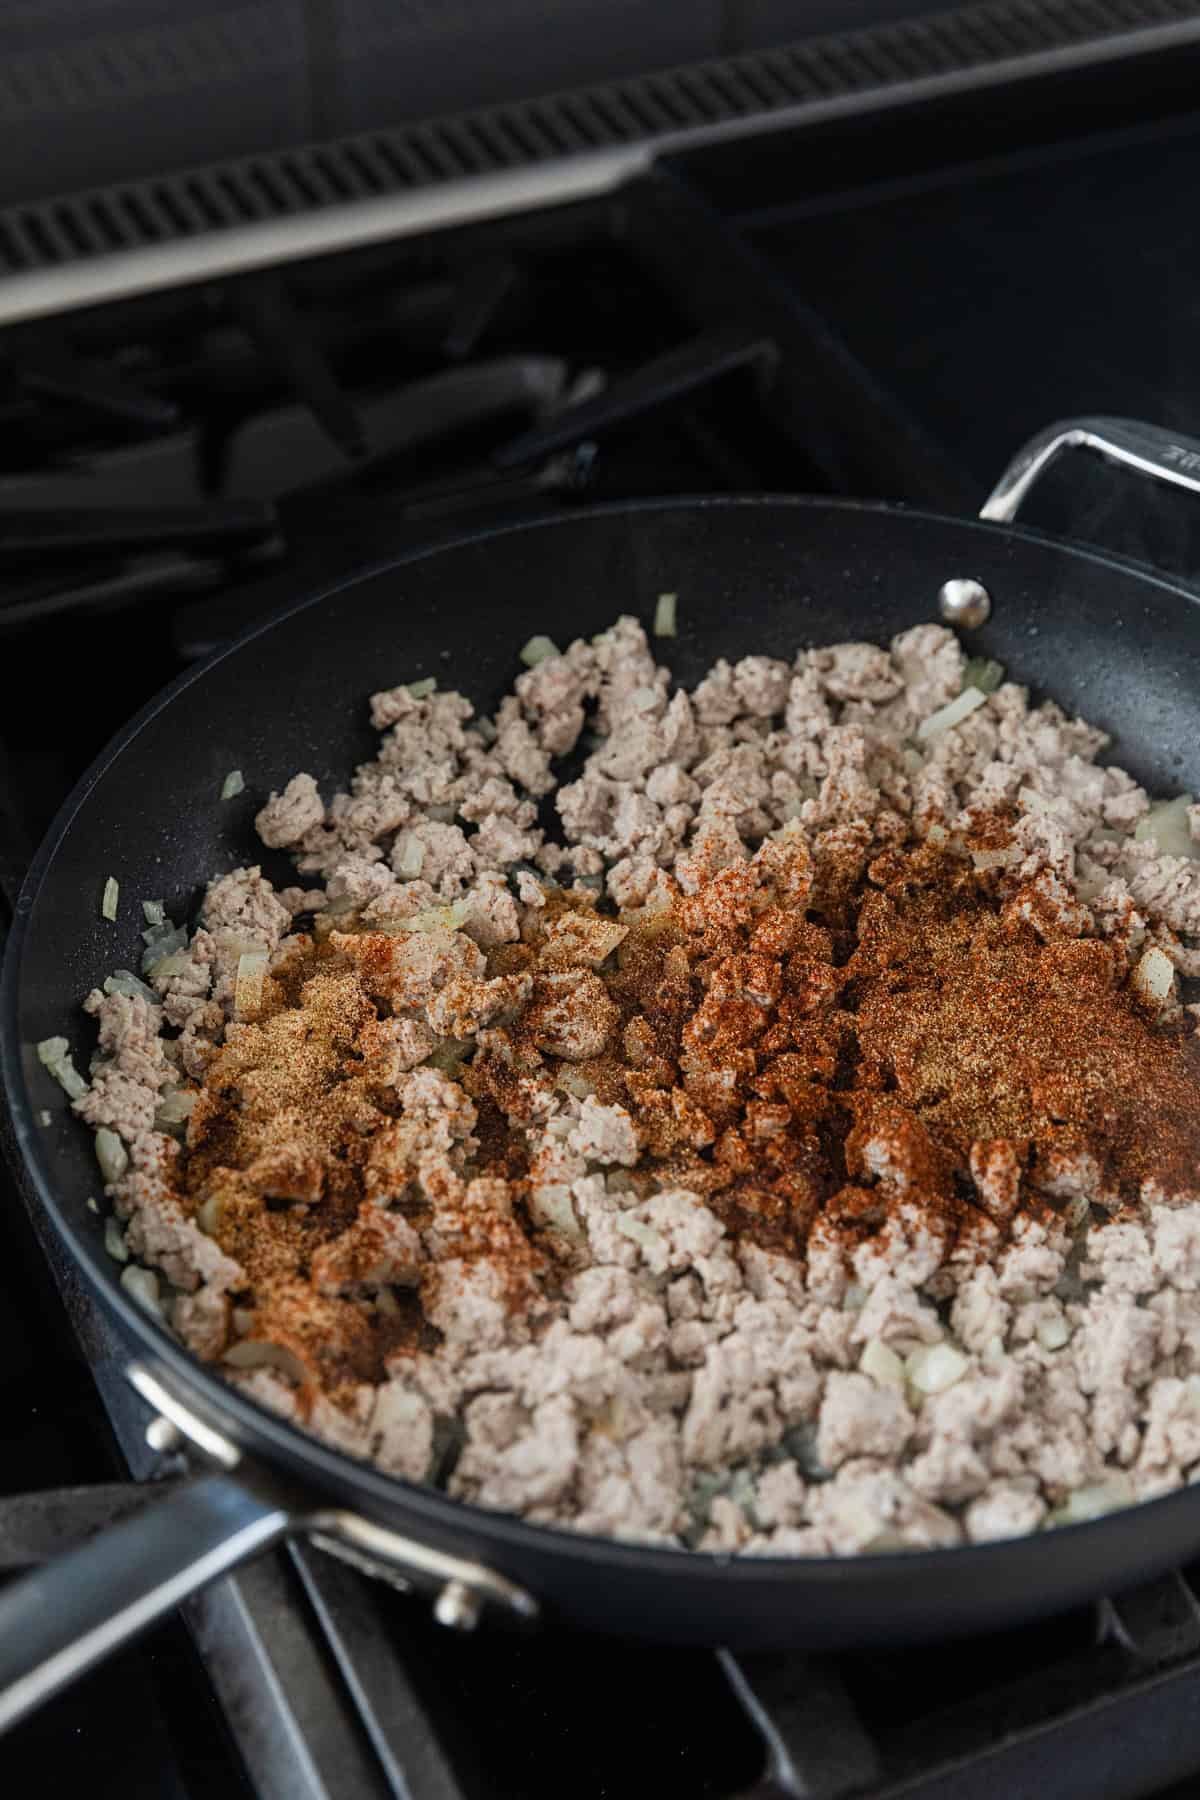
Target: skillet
<point>767,575</point>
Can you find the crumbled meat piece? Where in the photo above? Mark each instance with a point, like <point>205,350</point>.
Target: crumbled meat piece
<point>571,1015</point>
<point>858,1418</point>
<point>868,1508</point>
<point>464,1006</point>
<point>244,902</point>
<point>894,1314</point>
<point>129,1068</point>
<point>409,968</point>
<point>1006,1510</point>
<point>1176,1234</point>
<point>605,1134</point>
<point>391,1048</point>
<point>401,1431</point>
<point>513,1459</point>
<point>761,684</point>
<point>358,880</point>
<point>491,916</point>
<point>202,1321</point>
<point>444,857</point>
<point>157,1228</point>
<point>467,1300</point>
<point>856,672</point>
<point>980,1314</point>
<point>303,900</point>
<point>380,1249</point>
<point>1172,1424</point>
<point>183,981</point>
<point>288,816</point>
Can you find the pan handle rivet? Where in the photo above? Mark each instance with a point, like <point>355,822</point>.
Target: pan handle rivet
<point>964,602</point>
<point>458,1606</point>
<point>162,1436</point>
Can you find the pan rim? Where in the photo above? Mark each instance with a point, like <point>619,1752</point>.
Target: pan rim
<point>277,1441</point>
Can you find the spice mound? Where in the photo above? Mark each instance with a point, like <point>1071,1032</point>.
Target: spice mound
<point>797,1158</point>
<point>838,1047</point>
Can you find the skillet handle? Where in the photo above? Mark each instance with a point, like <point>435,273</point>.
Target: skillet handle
<point>1148,449</point>
<point>58,1623</point>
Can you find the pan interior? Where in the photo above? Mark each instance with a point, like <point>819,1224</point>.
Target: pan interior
<point>763,576</point>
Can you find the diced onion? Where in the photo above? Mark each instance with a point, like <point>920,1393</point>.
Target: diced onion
<point>55,1057</point>
<point>537,650</point>
<point>111,1154</point>
<point>109,899</point>
<point>953,713</point>
<point>143,1285</point>
<point>449,1055</point>
<point>248,987</point>
<point>486,730</point>
<point>114,1240</point>
<point>550,1205</point>
<point>640,1232</point>
<point>664,615</point>
<point>436,918</point>
<point>572,1082</point>
<point>1053,1333</point>
<point>882,1364</point>
<point>1166,824</point>
<point>995,859</point>
<point>411,858</point>
<point>69,1079</point>
<point>45,1117</point>
<point>421,690</point>
<point>208,1215</point>
<point>177,963</point>
<point>984,673</point>
<point>174,1109</point>
<point>933,1368</point>
<point>162,941</point>
<point>1034,802</point>
<point>1094,1501</point>
<point>443,814</point>
<point>153,912</point>
<point>260,1353</point>
<point>233,785</point>
<point>937,834</point>
<point>124,981</point>
<point>1154,976</point>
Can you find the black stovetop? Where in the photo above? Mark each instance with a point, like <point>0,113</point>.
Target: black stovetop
<point>815,328</point>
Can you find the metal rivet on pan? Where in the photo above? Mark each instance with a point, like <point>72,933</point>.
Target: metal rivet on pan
<point>964,602</point>
<point>162,1436</point>
<point>458,1606</point>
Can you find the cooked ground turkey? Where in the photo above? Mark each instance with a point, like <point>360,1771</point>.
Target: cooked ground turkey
<point>605,1180</point>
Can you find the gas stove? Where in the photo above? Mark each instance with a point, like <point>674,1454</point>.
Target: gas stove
<point>870,300</point>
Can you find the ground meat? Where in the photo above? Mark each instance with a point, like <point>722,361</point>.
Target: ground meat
<point>158,1229</point>
<point>288,816</point>
<point>129,1068</point>
<point>202,1321</point>
<point>183,981</point>
<point>860,1418</point>
<point>715,1223</point>
<point>605,1134</point>
<point>245,902</point>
